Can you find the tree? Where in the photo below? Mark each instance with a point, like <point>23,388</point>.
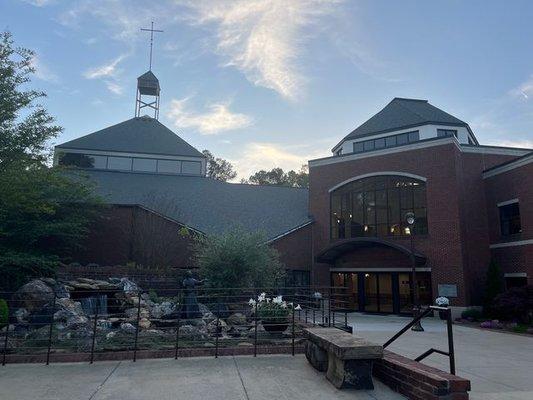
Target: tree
<point>218,168</point>
<point>277,176</point>
<point>238,259</point>
<point>41,212</point>
<point>494,286</point>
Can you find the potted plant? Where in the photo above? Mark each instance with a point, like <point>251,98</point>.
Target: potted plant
<point>442,302</point>
<point>273,312</point>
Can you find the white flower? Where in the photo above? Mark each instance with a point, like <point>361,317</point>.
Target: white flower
<point>261,297</point>
<point>268,299</point>
<point>442,301</point>
<point>298,307</point>
<point>251,302</point>
<point>277,300</point>
<point>317,295</point>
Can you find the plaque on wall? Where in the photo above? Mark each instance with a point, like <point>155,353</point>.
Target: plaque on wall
<point>447,290</point>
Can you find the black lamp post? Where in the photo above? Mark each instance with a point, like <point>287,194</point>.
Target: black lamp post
<point>410,219</point>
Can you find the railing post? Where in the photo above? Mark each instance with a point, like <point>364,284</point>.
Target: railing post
<point>293,328</point>
<point>94,334</point>
<point>137,327</point>
<point>177,337</point>
<point>6,338</point>
<point>451,351</point>
<point>216,335</point>
<point>51,329</point>
<point>255,332</point>
<point>329,307</point>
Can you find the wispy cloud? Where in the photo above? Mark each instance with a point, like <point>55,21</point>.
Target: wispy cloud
<point>216,119</point>
<point>106,70</point>
<point>109,73</point>
<point>524,90</point>
<point>42,71</point>
<point>263,38</point>
<point>39,3</point>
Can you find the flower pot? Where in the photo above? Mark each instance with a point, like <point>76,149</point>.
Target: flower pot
<point>275,327</point>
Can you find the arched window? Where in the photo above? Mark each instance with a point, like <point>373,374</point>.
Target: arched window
<point>376,206</point>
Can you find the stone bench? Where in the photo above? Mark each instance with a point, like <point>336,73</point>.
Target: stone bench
<point>347,359</point>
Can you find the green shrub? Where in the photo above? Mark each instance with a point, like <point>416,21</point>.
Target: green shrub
<point>472,314</point>
<point>4,313</point>
<point>493,287</point>
<point>516,304</point>
<point>238,259</point>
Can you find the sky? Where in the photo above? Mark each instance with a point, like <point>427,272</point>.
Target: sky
<point>267,83</point>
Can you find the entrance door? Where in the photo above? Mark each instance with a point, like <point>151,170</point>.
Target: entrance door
<point>345,290</point>
<point>378,292</point>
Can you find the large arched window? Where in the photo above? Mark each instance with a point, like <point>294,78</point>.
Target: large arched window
<point>376,206</point>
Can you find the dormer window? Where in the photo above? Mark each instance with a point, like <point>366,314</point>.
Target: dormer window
<point>384,142</point>
<point>446,132</point>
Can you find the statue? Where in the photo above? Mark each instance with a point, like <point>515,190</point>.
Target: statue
<point>190,308</point>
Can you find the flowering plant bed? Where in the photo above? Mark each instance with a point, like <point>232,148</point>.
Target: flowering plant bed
<point>273,312</point>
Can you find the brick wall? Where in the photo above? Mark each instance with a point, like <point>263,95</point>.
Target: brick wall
<point>456,245</point>
<point>418,381</point>
<point>295,249</point>
<point>514,184</point>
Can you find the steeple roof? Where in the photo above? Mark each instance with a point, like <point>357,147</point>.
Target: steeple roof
<point>402,113</point>
<point>137,135</point>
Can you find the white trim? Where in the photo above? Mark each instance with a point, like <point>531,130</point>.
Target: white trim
<point>387,173</point>
<point>289,231</point>
<point>515,275</point>
<point>506,203</point>
<point>423,269</point>
<point>511,244</point>
<point>391,150</point>
<point>508,167</point>
<point>421,145</point>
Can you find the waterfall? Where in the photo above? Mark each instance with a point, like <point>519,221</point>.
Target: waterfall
<point>96,304</point>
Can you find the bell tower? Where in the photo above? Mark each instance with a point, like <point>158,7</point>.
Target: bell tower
<point>148,84</point>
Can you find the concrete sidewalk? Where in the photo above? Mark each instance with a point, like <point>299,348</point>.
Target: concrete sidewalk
<point>499,365</point>
<point>225,378</point>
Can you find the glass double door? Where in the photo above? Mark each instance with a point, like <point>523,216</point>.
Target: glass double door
<point>379,292</point>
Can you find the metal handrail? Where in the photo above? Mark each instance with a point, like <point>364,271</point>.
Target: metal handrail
<point>450,353</point>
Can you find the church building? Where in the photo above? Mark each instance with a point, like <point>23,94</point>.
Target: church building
<point>471,204</point>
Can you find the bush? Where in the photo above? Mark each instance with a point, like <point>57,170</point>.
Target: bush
<point>238,259</point>
<point>472,314</point>
<point>3,313</point>
<point>516,304</point>
<point>494,286</point>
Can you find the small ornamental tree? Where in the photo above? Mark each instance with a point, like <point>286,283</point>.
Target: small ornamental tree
<point>238,259</point>
<point>494,286</point>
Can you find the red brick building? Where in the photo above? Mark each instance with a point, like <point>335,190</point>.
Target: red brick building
<point>470,202</point>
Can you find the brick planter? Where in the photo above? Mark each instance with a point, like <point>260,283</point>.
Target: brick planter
<point>418,381</point>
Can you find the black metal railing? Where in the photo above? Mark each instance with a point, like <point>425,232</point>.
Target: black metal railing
<point>97,318</point>
<point>449,328</point>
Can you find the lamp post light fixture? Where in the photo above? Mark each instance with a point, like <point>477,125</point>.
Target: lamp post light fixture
<point>411,220</point>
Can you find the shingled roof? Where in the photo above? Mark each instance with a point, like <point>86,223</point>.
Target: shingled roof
<point>137,135</point>
<point>403,113</point>
<point>207,205</point>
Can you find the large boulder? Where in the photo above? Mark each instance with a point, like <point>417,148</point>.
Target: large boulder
<point>160,310</point>
<point>189,332</point>
<point>236,319</point>
<point>34,295</point>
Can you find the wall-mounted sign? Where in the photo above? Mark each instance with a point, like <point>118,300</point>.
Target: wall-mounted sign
<point>447,290</point>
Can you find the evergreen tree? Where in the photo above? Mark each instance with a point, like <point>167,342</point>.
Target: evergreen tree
<point>493,287</point>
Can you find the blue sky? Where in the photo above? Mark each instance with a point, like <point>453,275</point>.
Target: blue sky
<point>269,83</point>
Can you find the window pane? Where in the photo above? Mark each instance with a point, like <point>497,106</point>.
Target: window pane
<point>144,165</point>
<point>390,141</point>
<point>369,145</point>
<point>168,166</point>
<point>380,143</point>
<point>99,162</point>
<point>119,163</point>
<point>403,138</point>
<point>381,207</point>
<point>510,219</point>
<point>414,136</point>
<point>358,147</point>
<point>191,167</point>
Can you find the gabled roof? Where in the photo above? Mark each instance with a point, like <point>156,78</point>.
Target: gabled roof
<point>208,205</point>
<point>136,135</point>
<point>148,76</point>
<point>403,113</point>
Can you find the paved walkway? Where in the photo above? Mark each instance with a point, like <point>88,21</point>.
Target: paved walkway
<point>225,378</point>
<point>499,365</point>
